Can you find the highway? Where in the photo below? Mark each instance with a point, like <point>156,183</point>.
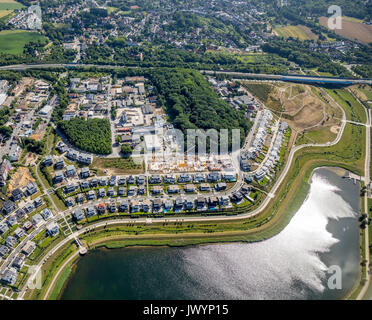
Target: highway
<point>278,77</point>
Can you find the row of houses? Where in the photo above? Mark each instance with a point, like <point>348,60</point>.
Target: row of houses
<point>154,205</point>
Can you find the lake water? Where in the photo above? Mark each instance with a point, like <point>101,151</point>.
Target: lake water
<point>291,265</point>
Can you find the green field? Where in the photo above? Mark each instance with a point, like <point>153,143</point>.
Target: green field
<point>13,41</point>
<point>10,5</point>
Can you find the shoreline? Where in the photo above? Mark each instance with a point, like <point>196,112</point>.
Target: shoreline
<point>122,243</point>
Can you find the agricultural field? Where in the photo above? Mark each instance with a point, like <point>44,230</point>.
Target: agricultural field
<point>13,41</point>
<point>300,32</point>
<point>352,29</point>
<point>10,5</point>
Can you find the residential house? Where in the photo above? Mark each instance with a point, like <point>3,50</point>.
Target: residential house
<point>93,183</point>
<point>101,193</point>
<point>141,180</point>
<point>121,181</point>
<point>70,188</point>
<point>184,178</point>
<point>91,195</point>
<point>123,207</point>
<point>84,185</point>
<point>112,207</point>
<point>200,203</point>
<point>60,164</point>
<point>52,229</point>
<point>157,190</point>
<point>9,277</point>
<point>101,209</point>
<point>141,190</point>
<point>38,202</point>
<point>213,176</point>
<point>154,179</point>
<point>189,205</point>
<point>173,188</point>
<point>236,197</point>
<point>157,205</point>
<point>146,205</point>
<point>178,204</point>
<point>19,233</point>
<point>31,188</point>
<point>224,201</point>
<point>29,248</point>
<point>46,214</point>
<point>111,192</point>
<point>36,219</point>
<point>85,172</point>
<point>58,177</point>
<point>134,206</point>
<point>190,188</point>
<point>169,179</point>
<point>213,202</point>
<point>20,213</point>
<point>90,212</point>
<point>11,220</point>
<point>3,227</point>
<point>112,181</point>
<point>205,187</point>
<point>4,250</point>
<point>78,214</point>
<point>168,204</point>
<point>27,225</point>
<point>70,171</point>
<point>131,190</point>
<point>17,194</point>
<point>220,186</point>
<point>8,207</point>
<point>121,191</point>
<point>10,241</point>
<point>28,208</point>
<point>70,202</point>
<point>48,161</point>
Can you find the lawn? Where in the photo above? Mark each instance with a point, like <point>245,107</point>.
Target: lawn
<point>13,41</point>
<point>320,135</point>
<point>117,165</point>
